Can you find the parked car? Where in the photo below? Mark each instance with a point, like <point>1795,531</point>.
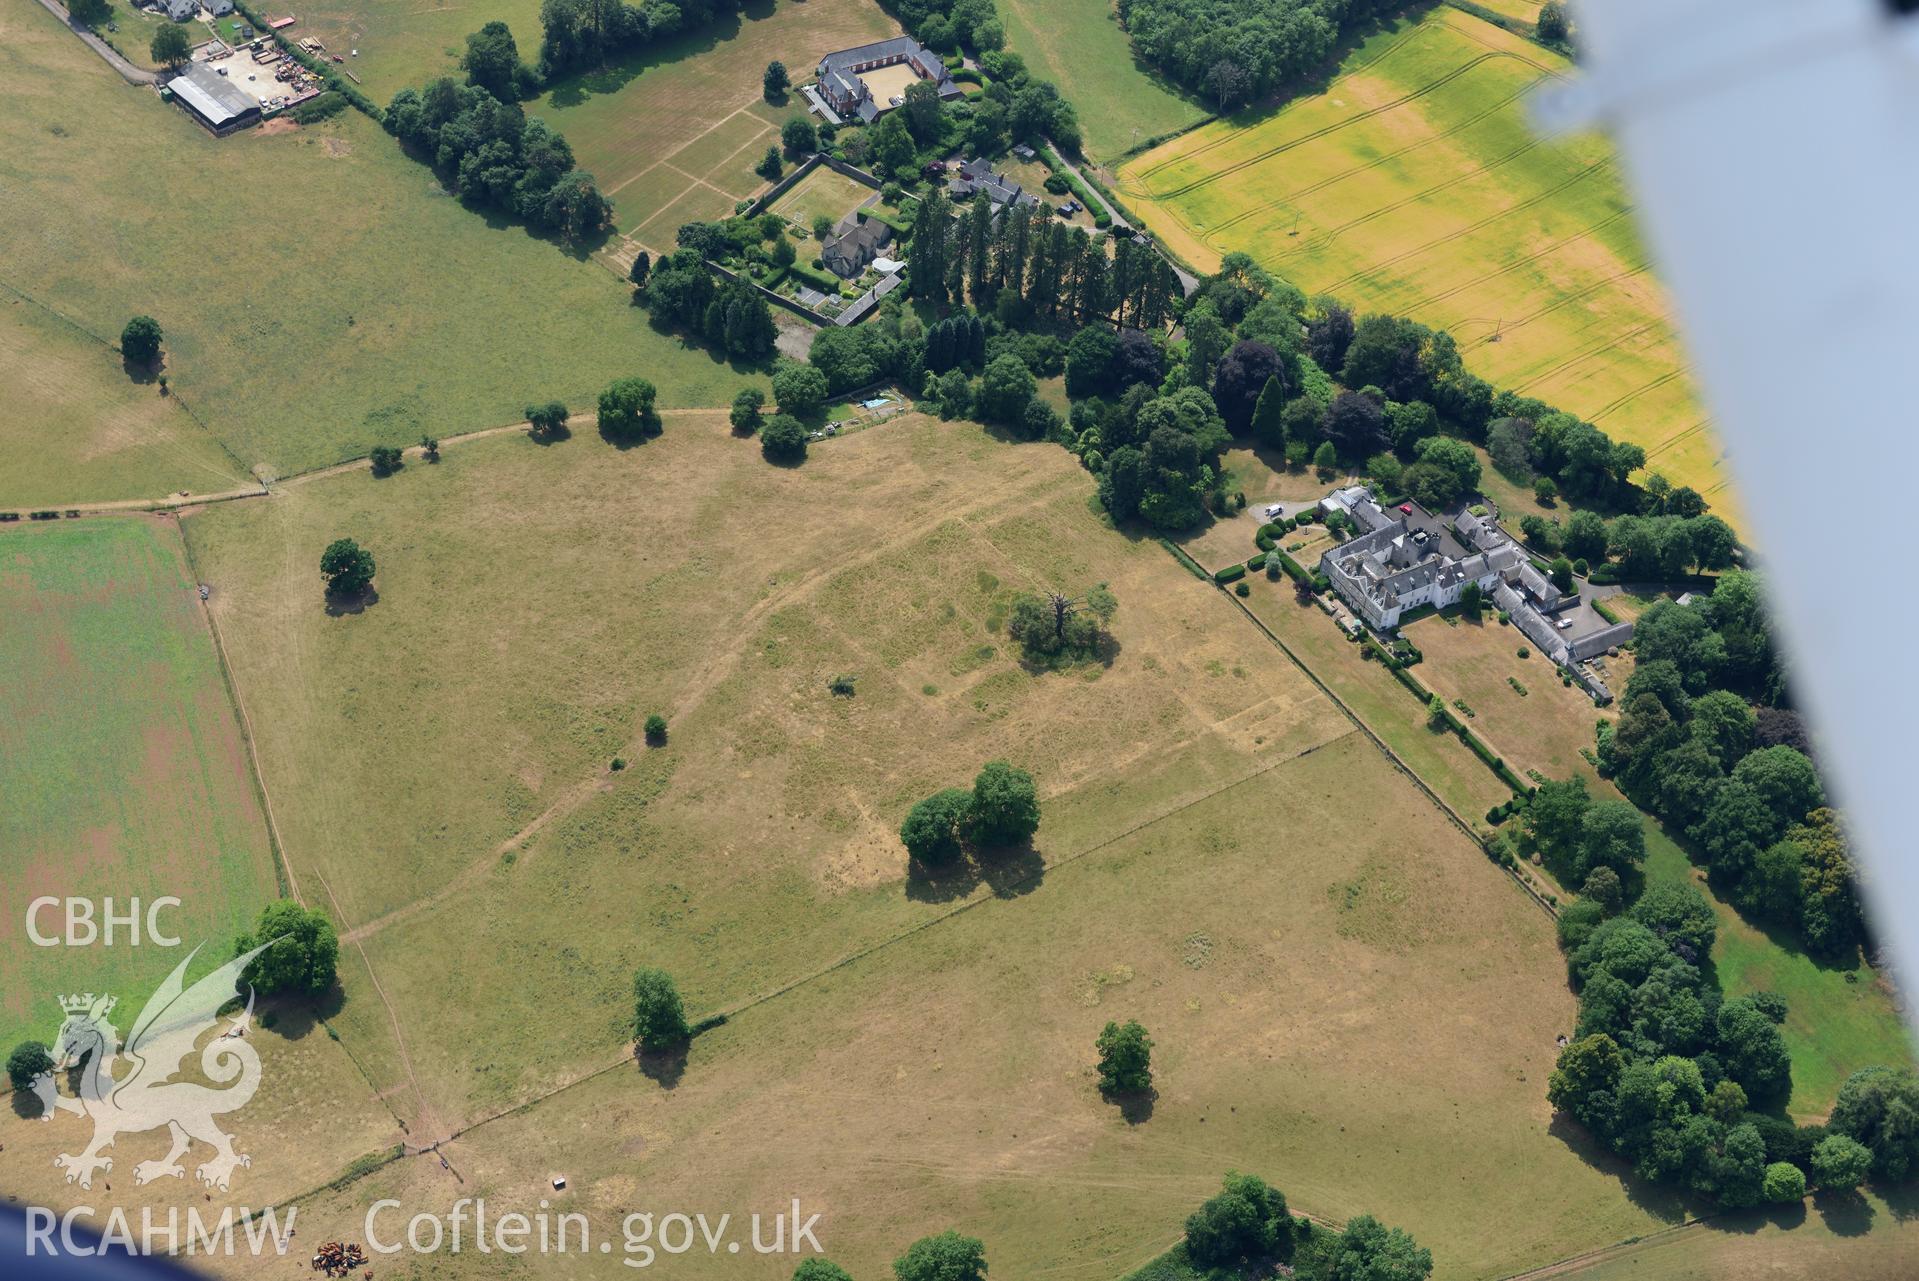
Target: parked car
<point>1565,624</point>
<point>1406,508</point>
<point>1274,511</point>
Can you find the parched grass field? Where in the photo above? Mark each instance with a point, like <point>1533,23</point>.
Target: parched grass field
<point>1447,765</point>
<point>78,425</point>
<point>761,841</point>
<point>320,293</point>
<point>1871,1237</point>
<point>1414,184</point>
<point>1314,1020</point>
<point>121,765</point>
<point>1080,46</point>
<point>673,132</point>
<point>1543,728</point>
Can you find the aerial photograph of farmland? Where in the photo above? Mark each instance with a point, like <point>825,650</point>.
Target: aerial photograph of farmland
<point>1105,640</point>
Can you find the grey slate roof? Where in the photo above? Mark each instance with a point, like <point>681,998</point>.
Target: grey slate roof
<point>854,244</point>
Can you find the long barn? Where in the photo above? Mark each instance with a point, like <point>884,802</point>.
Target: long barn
<point>213,100</point>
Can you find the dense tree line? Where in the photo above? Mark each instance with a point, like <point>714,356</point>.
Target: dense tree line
<point>495,158</point>
<point>1026,267</point>
<point>730,314</point>
<point>1685,1082</point>
<point>1233,51</point>
<point>575,34</point>
<point>1687,746</point>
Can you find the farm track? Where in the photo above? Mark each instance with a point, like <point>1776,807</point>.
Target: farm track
<point>1490,166</point>
<point>1527,261</point>
<point>1368,65</point>
<point>1530,202</point>
<point>1370,165</point>
<point>1139,189</point>
<point>1622,401</point>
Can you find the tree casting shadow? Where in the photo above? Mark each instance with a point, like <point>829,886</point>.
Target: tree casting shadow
<point>1135,1106</point>
<point>664,1067</point>
<point>339,604</point>
<point>1668,1205</point>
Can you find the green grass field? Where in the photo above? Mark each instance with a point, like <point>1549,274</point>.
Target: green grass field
<point>1080,46</point>
<point>1414,184</point>
<point>79,425</point>
<point>320,293</point>
<point>1838,1021</point>
<point>822,193</point>
<point>122,766</point>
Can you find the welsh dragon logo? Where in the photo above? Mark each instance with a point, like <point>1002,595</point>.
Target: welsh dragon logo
<point>148,1097</point>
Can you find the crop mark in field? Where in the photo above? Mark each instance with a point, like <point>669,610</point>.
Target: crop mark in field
<point>1538,198</point>
<point>1527,261</point>
<point>1359,69</point>
<point>1600,347</point>
<point>1416,197</point>
<point>1315,135</point>
<point>1294,196</point>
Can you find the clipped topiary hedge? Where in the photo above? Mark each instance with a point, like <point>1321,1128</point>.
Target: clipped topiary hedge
<point>1228,574</point>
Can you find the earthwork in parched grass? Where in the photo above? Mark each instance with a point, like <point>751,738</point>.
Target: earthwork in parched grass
<point>1415,185</point>
<point>1315,1013</point>
<point>468,717</point>
<point>121,764</point>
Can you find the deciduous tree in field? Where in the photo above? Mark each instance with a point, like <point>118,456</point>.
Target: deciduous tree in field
<point>1005,809</point>
<point>769,167</point>
<point>386,460</point>
<point>1246,1223</point>
<point>800,390</point>
<point>1125,1058</point>
<point>91,13</point>
<point>799,138</point>
<point>745,414</point>
<point>820,1270</point>
<point>29,1061</point>
<point>783,439</point>
<point>347,567</point>
<point>659,1018</point>
<point>492,62</point>
<point>626,409</point>
<point>931,832</point>
<point>546,422</point>
<point>302,955</point>
<point>946,1257</point>
<point>140,340</point>
<point>1840,1164</point>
